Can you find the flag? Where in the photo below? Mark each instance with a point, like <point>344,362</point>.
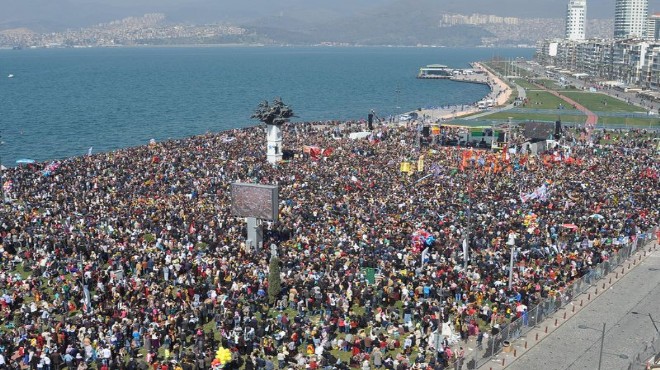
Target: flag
<point>50,168</point>
<point>8,185</point>
<point>89,151</point>
<point>315,153</point>
<point>466,157</point>
<point>420,164</point>
<point>540,193</point>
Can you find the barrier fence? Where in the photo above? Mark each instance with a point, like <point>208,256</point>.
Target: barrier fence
<point>501,340</point>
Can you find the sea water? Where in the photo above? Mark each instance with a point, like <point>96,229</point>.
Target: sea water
<point>61,102</point>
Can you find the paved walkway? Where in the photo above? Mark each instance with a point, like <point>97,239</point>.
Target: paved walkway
<point>500,93</point>
<point>521,93</point>
<point>571,338</point>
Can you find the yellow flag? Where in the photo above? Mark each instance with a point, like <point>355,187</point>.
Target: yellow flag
<point>405,167</point>
<point>420,164</point>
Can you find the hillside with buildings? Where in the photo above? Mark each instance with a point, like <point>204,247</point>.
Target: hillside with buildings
<point>415,29</point>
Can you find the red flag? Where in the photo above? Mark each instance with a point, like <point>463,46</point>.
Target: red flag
<point>505,154</point>
<point>315,152</point>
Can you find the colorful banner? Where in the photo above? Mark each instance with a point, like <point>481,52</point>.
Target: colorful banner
<point>540,193</point>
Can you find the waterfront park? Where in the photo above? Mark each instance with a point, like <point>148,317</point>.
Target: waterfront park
<point>180,282</point>
<point>543,104</point>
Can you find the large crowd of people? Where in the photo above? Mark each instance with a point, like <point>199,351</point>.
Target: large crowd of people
<point>132,259</point>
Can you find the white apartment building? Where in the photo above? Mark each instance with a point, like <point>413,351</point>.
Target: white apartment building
<point>632,62</point>
<point>630,18</point>
<point>653,27</point>
<point>576,15</point>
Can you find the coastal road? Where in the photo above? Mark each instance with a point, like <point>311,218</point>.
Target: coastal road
<point>521,93</point>
<point>624,309</point>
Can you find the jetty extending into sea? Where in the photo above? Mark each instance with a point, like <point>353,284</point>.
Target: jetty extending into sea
<point>499,94</point>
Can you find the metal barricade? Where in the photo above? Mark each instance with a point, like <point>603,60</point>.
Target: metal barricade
<point>535,315</point>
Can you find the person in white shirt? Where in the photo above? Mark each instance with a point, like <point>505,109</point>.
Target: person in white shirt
<point>46,361</point>
<point>106,355</point>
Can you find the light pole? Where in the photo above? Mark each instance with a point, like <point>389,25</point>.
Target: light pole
<point>466,241</point>
<point>398,92</point>
<point>651,318</point>
<point>602,342</point>
<point>512,244</point>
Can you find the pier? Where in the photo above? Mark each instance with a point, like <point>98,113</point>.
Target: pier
<point>499,93</point>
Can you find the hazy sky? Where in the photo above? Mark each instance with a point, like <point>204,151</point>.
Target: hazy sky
<point>75,13</point>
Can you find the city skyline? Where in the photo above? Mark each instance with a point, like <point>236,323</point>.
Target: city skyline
<point>419,24</point>
<point>46,16</point>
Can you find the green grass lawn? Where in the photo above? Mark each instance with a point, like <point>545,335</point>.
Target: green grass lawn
<point>638,122</point>
<point>534,117</point>
<point>525,85</point>
<point>550,84</point>
<point>544,100</point>
<point>574,119</point>
<point>554,85</point>
<point>503,66</point>
<point>601,103</point>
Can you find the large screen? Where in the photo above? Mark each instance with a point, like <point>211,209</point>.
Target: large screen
<point>254,200</point>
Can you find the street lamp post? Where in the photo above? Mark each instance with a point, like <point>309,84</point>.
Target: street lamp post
<point>466,241</point>
<point>652,321</point>
<point>398,92</point>
<point>512,245</point>
<point>654,325</point>
<point>602,342</point>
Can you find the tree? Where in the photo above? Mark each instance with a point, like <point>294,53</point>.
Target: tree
<point>274,282</point>
<point>276,114</point>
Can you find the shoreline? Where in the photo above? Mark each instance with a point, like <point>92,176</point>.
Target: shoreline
<point>500,93</point>
<point>31,47</point>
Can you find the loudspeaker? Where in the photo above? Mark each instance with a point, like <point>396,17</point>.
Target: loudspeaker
<point>426,131</point>
<point>370,121</point>
<point>557,129</point>
<point>500,137</point>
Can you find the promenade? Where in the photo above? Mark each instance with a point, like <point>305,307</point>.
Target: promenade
<point>570,339</point>
<point>499,93</point>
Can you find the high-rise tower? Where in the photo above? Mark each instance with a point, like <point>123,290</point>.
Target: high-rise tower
<point>576,15</point>
<point>653,27</point>
<point>630,17</point>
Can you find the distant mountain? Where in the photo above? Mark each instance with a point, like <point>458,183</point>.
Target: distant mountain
<point>364,22</point>
<point>58,15</point>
